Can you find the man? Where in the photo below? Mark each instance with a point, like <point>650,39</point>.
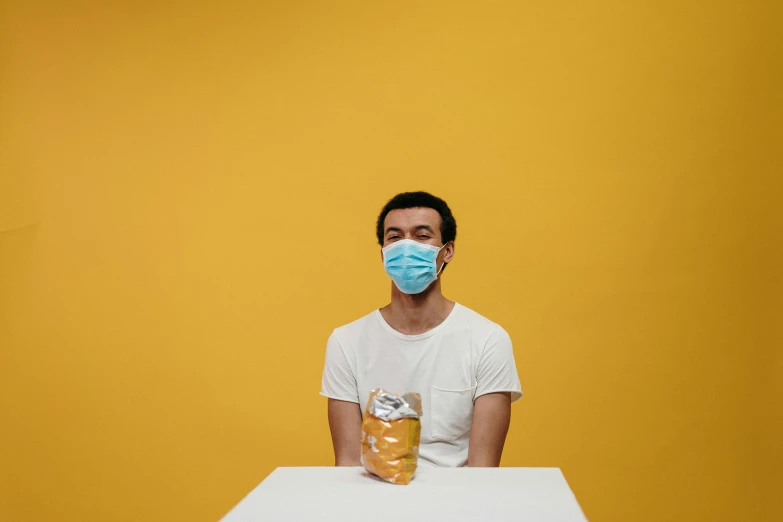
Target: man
<point>461,363</point>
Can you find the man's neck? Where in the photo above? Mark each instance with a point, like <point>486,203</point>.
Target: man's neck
<point>417,314</point>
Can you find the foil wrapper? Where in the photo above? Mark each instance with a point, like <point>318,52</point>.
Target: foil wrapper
<point>388,406</point>
<point>391,431</point>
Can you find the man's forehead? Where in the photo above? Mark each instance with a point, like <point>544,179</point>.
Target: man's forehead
<point>412,217</point>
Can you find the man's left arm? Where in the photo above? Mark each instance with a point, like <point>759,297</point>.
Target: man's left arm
<point>491,418</point>
<point>497,386</point>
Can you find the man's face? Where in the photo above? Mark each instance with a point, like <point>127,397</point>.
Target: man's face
<point>420,224</point>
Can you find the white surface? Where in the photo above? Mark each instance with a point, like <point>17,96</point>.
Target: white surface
<point>435,495</point>
<point>464,357</point>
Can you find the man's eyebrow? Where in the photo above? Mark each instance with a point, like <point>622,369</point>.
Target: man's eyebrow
<point>418,227</point>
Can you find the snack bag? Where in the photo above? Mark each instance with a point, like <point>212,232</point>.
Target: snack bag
<point>390,435</point>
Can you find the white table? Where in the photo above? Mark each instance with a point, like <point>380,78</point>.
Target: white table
<point>434,495</point>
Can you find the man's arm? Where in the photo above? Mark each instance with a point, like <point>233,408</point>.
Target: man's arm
<point>345,417</point>
<point>491,418</point>
<point>345,423</point>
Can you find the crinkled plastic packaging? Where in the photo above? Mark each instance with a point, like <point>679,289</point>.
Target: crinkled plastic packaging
<point>391,430</point>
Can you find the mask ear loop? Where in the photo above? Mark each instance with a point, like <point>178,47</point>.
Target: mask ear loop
<point>444,263</point>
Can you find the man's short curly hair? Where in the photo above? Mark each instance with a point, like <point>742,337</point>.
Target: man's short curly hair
<point>448,225</point>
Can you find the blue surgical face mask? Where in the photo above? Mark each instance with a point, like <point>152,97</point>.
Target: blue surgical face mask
<point>411,265</point>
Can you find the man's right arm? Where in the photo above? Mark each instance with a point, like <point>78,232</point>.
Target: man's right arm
<point>345,423</point>
<point>345,415</point>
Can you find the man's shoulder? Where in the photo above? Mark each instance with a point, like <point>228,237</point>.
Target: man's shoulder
<point>479,323</point>
<point>354,328</point>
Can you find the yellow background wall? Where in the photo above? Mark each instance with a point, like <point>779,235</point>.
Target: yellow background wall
<point>187,200</point>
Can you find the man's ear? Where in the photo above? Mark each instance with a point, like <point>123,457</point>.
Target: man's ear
<point>448,252</point>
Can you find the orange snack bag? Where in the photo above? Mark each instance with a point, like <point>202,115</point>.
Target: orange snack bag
<point>391,430</point>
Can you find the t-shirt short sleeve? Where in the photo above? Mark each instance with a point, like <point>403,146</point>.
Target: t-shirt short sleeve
<point>338,380</point>
<point>497,370</point>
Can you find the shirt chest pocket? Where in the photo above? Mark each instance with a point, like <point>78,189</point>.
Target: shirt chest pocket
<point>452,413</point>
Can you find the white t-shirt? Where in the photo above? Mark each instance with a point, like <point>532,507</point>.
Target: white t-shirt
<point>464,357</point>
